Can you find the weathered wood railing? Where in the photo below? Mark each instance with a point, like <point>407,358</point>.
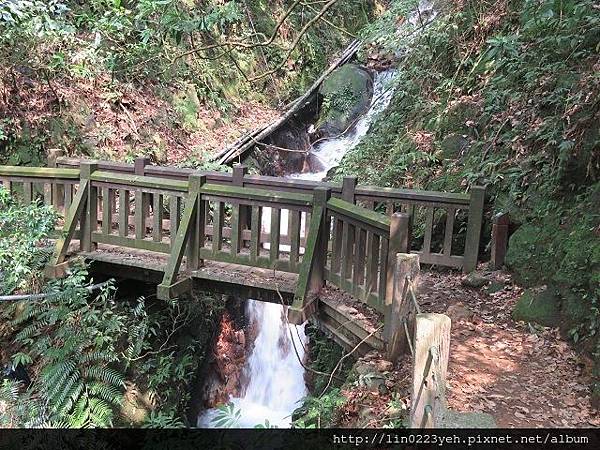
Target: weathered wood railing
<point>433,213</point>
<point>320,231</point>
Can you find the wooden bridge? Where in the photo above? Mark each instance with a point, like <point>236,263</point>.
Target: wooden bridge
<point>267,238</point>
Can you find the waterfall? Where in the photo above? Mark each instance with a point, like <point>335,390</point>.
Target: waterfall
<point>275,373</point>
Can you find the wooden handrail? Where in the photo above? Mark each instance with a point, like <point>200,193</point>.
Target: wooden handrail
<point>235,192</point>
<point>39,172</point>
<point>137,181</point>
<point>360,214</point>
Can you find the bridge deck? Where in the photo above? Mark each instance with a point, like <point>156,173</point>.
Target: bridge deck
<point>232,279</point>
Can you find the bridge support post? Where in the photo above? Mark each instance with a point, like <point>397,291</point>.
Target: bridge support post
<point>400,241</point>
<point>476,205</point>
<point>311,278</point>
<point>190,234</point>
<point>400,315</point>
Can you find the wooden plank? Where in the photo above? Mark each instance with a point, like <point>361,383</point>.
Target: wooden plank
<point>124,210</point>
<point>255,233</point>
<point>68,199</point>
<point>157,209</point>
<point>430,366</point>
<point>383,270</point>
<point>28,192</point>
<point>275,234</point>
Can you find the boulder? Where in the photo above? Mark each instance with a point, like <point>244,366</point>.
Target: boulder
<point>346,95</point>
<point>539,305</point>
<point>475,280</point>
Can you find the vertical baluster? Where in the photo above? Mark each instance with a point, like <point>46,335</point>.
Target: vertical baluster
<point>275,234</point>
<point>336,245</point>
<point>124,210</point>
<point>68,193</point>
<point>28,192</point>
<point>157,208</point>
<point>358,275</point>
<point>236,231</point>
<point>218,219</point>
<point>255,232</point>
<point>174,215</point>
<point>140,214</point>
<point>449,231</point>
<point>347,250</point>
<point>47,189</point>
<point>107,210</point>
<point>294,235</point>
<point>428,231</point>
<point>372,263</point>
<point>383,267</point>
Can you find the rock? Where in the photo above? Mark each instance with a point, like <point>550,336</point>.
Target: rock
<point>459,312</point>
<point>347,94</point>
<point>475,280</point>
<point>453,145</point>
<point>384,366</point>
<point>539,305</point>
<point>494,287</point>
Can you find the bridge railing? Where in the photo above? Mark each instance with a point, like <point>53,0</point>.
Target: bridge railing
<point>456,217</point>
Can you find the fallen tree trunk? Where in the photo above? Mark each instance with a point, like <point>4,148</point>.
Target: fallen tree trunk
<point>250,139</point>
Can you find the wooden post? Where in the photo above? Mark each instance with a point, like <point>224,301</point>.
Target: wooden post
<point>401,313</point>
<point>476,205</point>
<point>89,219</point>
<point>239,172</point>
<point>500,226</point>
<point>430,365</point>
<point>196,232</point>
<point>349,188</point>
<point>311,278</point>
<point>399,242</point>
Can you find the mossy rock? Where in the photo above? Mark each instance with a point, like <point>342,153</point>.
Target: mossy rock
<point>539,305</point>
<point>454,145</point>
<point>526,256</point>
<point>346,94</point>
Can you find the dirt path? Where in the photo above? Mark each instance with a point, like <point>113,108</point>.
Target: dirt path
<point>523,376</point>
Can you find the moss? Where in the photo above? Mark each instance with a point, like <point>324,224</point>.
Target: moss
<point>539,306</point>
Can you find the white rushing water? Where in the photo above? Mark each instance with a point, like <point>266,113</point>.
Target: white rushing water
<point>275,374</point>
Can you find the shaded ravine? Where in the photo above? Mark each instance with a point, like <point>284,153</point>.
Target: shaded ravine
<point>276,383</point>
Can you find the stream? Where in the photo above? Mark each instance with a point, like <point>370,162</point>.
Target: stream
<point>276,376</point>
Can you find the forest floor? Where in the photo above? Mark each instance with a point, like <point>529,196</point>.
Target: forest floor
<point>523,376</point>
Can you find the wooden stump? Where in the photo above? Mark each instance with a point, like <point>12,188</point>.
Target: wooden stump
<point>430,365</point>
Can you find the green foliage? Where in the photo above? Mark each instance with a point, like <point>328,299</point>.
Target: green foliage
<point>228,416</point>
<point>320,412</point>
<point>161,420</point>
<point>24,231</point>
